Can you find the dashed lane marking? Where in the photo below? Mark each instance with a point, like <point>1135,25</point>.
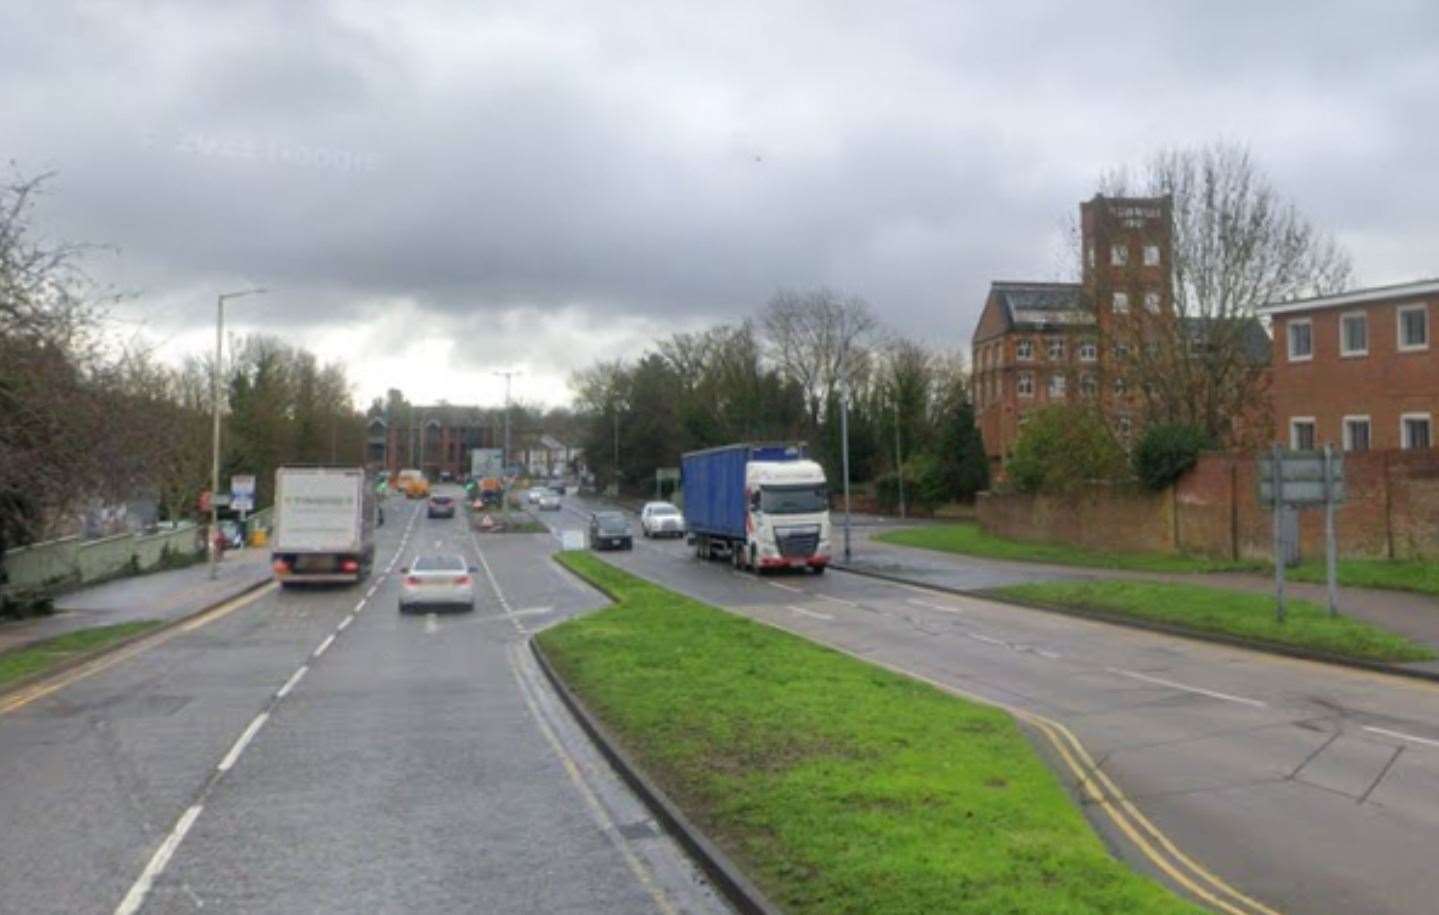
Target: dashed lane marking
<point>249,734</point>
<point>136,897</point>
<point>812,613</point>
<point>290,683</point>
<point>1160,681</point>
<point>1402,736</point>
<point>329,640</point>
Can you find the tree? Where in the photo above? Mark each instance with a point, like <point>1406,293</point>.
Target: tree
<point>1237,244</point>
<point>816,338</point>
<point>1062,446</point>
<point>1165,451</point>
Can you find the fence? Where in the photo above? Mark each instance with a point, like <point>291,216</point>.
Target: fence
<point>71,561</point>
<point>1392,512</point>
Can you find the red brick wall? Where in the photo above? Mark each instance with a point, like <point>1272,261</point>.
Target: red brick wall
<point>1391,511</point>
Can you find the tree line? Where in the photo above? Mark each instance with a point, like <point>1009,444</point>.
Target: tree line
<point>89,417</point>
<point>784,375</point>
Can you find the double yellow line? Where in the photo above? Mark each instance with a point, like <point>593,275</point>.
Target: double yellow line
<point>26,695</point>
<point>1161,851</point>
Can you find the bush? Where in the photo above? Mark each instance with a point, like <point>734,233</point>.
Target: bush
<point>1165,451</point>
<point>1063,446</point>
<point>925,485</point>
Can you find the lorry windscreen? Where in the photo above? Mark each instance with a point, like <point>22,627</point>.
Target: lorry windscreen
<point>804,498</point>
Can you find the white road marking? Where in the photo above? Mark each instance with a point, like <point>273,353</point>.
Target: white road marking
<point>837,600</point>
<point>432,624</point>
<point>329,640</point>
<point>988,640</point>
<point>290,683</point>
<point>789,588</point>
<point>933,606</point>
<point>347,621</point>
<point>495,585</point>
<point>1188,689</point>
<point>813,613</point>
<point>360,606</point>
<point>1052,655</point>
<point>244,741</point>
<point>136,897</point>
<point>1402,736</point>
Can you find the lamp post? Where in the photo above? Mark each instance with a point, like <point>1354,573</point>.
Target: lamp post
<point>898,457</point>
<point>505,458</point>
<point>844,452</point>
<point>215,410</point>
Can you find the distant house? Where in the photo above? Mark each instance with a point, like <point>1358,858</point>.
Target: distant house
<point>437,439</point>
<point>1359,369</point>
<point>547,456</point>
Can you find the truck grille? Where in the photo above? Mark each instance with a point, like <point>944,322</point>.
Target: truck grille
<point>802,542</point>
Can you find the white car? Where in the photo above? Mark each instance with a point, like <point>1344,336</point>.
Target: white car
<point>535,494</point>
<point>437,582</point>
<point>661,519</point>
<point>549,502</point>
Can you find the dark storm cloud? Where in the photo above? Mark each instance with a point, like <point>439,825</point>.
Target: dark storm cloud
<point>675,164</point>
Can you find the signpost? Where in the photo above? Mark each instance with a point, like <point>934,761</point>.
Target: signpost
<point>666,475</point>
<point>1301,479</point>
<point>242,494</point>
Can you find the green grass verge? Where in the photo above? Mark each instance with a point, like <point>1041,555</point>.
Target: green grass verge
<point>37,658</point>
<point>1388,574</point>
<point>1233,613</point>
<point>836,785</point>
<point>969,539</point>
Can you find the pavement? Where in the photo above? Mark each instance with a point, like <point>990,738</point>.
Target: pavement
<point>1308,787</point>
<point>312,750</point>
<point>1413,615</point>
<point>166,595</point>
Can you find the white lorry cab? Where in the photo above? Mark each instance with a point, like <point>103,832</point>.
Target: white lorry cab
<point>788,515</point>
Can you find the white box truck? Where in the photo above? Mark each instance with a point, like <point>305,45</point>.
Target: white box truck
<point>324,528</point>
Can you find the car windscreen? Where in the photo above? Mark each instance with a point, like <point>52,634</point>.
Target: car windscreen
<point>664,510</point>
<point>438,564</point>
<point>794,500</point>
<point>612,523</point>
<point>441,500</point>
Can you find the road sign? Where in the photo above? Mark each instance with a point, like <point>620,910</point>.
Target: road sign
<point>221,500</point>
<point>1301,478</point>
<point>242,485</point>
<point>242,503</point>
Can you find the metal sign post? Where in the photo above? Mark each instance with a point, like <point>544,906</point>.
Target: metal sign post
<point>1298,479</point>
<point>1331,550</point>
<point>1279,552</point>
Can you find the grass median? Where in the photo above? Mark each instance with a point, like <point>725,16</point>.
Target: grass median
<point>35,659</point>
<point>1388,574</point>
<point>1232,613</point>
<point>836,785</point>
<point>969,539</point>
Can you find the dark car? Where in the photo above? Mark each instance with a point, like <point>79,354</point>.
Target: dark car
<point>557,487</point>
<point>610,530</point>
<point>440,507</point>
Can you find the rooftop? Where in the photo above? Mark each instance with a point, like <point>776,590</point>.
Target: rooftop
<point>1411,289</point>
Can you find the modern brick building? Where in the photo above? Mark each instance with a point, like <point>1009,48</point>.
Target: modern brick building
<point>1358,369</point>
<point>437,439</point>
<point>1039,343</point>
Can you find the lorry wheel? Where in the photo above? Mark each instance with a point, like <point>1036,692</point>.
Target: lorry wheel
<point>736,556</point>
<point>819,570</point>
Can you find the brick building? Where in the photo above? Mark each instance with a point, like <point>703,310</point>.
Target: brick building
<point>437,439</point>
<point>1038,343</point>
<point>1358,369</point>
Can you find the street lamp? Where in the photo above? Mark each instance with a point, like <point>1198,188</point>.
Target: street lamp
<point>898,457</point>
<point>844,449</point>
<point>505,458</point>
<point>215,410</point>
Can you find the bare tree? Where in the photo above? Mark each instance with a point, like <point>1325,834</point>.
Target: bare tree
<point>1237,244</point>
<point>815,338</point>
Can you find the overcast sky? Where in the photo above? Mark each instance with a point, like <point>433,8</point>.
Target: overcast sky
<point>437,190</point>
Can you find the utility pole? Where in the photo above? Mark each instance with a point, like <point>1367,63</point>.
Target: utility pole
<point>617,451</point>
<point>898,457</point>
<point>844,449</point>
<point>505,459</point>
<point>215,410</point>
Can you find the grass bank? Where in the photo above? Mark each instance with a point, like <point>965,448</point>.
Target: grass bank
<point>1389,574</point>
<point>967,538</point>
<point>1232,613</point>
<point>837,786</point>
<point>41,656</point>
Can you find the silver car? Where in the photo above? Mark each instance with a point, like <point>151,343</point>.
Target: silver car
<point>437,582</point>
<point>661,519</point>
<point>549,502</point>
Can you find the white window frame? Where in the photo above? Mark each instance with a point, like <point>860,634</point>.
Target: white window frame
<point>1051,345</point>
<point>1344,349</point>
<point>1121,350</point>
<point>1121,386</point>
<point>1024,350</point>
<point>1119,303</point>
<point>1063,386</point>
<point>1289,339</point>
<point>1153,302</point>
<point>1119,255</point>
<point>1399,313</point>
<point>1151,255</point>
<point>1404,419</point>
<point>1088,385</point>
<point>1125,425</point>
<point>1089,254</point>
<point>1024,386</point>
<point>1294,423</point>
<point>1349,439</point>
<point>1088,351</point>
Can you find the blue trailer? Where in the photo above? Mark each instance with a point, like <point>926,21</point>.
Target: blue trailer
<point>763,505</point>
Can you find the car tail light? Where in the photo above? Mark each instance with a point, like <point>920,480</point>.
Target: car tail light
<point>280,566</point>
<point>412,580</point>
<point>462,580</point>
<point>350,565</point>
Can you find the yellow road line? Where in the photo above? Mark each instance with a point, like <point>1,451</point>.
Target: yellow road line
<point>75,674</point>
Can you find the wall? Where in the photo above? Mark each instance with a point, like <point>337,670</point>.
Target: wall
<point>71,561</point>
<point>1391,511</point>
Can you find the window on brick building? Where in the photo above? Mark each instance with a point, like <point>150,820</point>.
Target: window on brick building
<point>1024,350</point>
<point>1413,323</point>
<point>1356,433</point>
<point>1125,426</point>
<point>1120,303</point>
<point>1354,334</point>
<point>1121,350</point>
<point>1056,386</point>
<point>1119,255</point>
<point>1300,334</point>
<point>1089,254</point>
<point>1302,433</point>
<point>1089,386</point>
<point>1151,255</point>
<point>1151,302</point>
<point>1121,387</point>
<point>1056,348</point>
<point>1088,351</point>
<point>1415,430</point>
<point>1024,384</point>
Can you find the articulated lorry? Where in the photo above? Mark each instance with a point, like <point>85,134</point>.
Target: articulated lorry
<point>762,506</point>
<point>325,521</point>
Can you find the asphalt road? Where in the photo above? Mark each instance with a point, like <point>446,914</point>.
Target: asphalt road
<point>418,764</point>
<point>1309,788</point>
